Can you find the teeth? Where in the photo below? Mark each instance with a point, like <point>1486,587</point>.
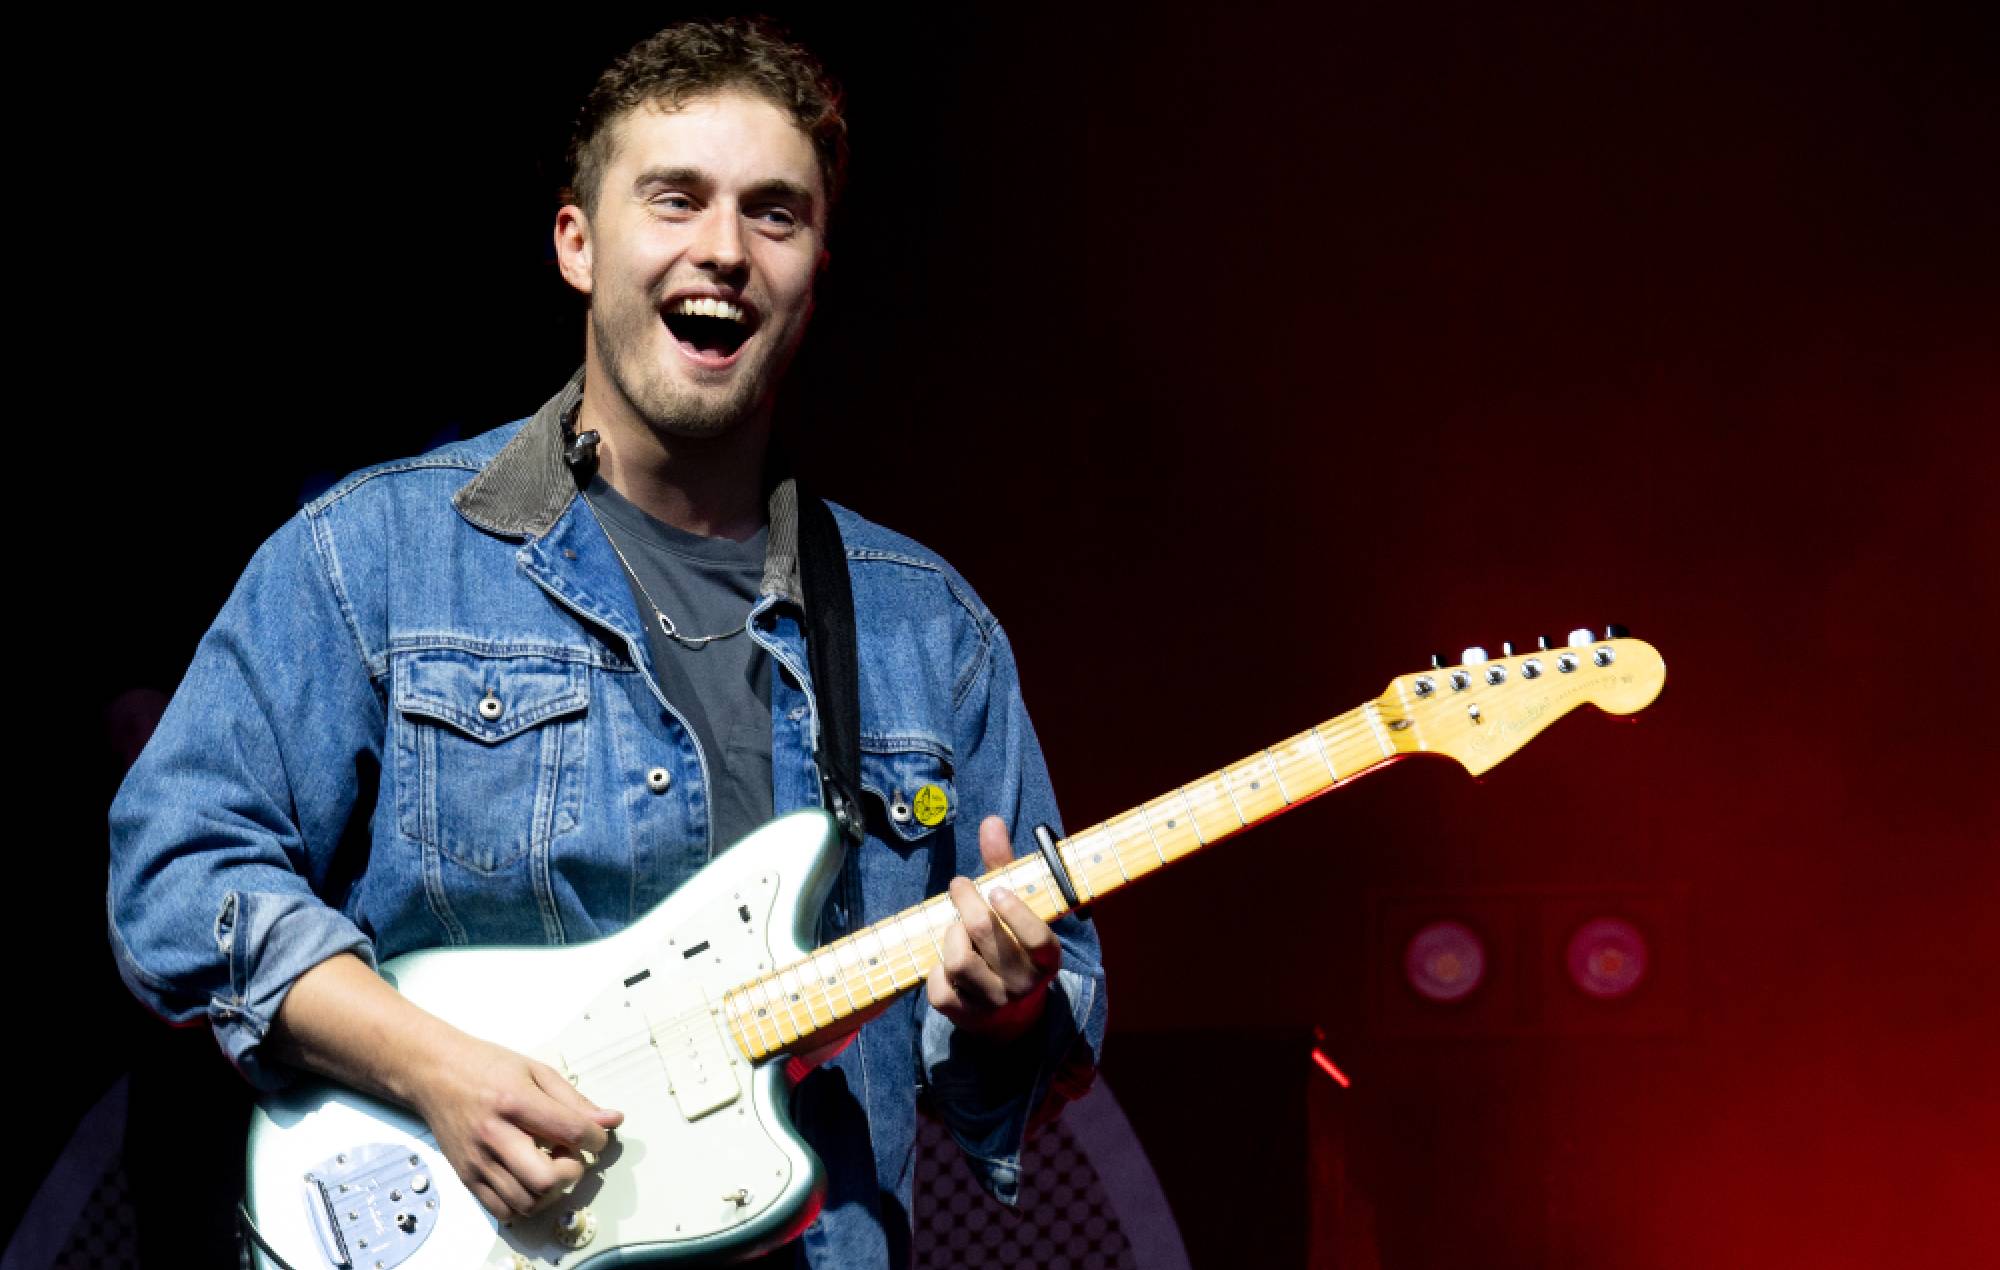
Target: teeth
<point>708,306</point>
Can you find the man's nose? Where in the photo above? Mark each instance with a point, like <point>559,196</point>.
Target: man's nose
<point>720,246</point>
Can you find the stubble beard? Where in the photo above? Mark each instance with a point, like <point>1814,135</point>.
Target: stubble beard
<point>668,408</point>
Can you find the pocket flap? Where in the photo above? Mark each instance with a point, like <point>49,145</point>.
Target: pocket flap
<point>913,788</point>
<point>489,698</point>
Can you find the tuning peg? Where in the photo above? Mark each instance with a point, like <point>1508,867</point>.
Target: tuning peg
<point>1506,648</point>
<point>1474,655</point>
<point>1581,637</point>
<point>1542,642</point>
<point>1437,661</point>
<point>1615,631</point>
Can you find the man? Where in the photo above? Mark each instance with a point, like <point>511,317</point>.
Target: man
<point>521,688</point>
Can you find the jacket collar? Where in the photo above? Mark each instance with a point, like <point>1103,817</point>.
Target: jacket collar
<point>527,487</point>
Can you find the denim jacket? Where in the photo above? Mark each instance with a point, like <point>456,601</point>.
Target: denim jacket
<point>427,715</point>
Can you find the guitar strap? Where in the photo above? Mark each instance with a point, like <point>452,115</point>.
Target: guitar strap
<point>834,660</point>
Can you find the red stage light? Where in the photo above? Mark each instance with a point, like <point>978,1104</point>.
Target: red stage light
<point>1607,958</point>
<point>1445,961</point>
<point>1327,1065</point>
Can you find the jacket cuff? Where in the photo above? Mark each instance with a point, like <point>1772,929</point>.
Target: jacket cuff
<point>990,1095</point>
<point>269,940</point>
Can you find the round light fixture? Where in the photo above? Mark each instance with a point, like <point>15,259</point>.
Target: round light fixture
<point>1607,957</point>
<point>1445,961</point>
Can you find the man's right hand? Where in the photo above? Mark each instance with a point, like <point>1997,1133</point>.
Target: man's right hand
<point>511,1127</point>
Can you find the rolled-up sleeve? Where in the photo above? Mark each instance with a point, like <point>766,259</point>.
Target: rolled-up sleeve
<point>233,813</point>
<point>990,1096</point>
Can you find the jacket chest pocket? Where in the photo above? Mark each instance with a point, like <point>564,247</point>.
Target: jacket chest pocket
<point>486,747</point>
<point>911,792</point>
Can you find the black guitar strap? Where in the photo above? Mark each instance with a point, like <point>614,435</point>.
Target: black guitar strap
<point>834,661</point>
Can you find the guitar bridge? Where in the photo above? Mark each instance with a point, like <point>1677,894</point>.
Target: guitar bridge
<point>374,1202</point>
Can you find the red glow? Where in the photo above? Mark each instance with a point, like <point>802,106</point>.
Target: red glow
<point>1326,1065</point>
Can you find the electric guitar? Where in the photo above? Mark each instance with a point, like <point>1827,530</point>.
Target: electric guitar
<point>684,1019</point>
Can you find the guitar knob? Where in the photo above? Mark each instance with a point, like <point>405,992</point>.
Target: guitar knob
<point>576,1227</point>
<point>1581,637</point>
<point>1474,655</point>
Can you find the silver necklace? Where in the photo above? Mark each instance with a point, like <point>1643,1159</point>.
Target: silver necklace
<point>666,623</point>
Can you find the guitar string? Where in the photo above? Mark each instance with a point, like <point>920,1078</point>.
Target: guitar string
<point>907,955</point>
<point>1344,731</point>
<point>1125,831</point>
<point>1348,730</point>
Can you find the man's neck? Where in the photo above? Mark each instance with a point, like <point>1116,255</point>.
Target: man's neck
<point>711,486</point>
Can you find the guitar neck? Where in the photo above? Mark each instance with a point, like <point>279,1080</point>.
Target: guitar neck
<point>1477,713</point>
<point>788,1008</point>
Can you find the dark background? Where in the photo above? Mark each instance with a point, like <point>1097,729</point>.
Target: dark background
<point>1242,356</point>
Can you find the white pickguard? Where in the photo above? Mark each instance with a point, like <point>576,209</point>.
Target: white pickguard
<point>705,1165</point>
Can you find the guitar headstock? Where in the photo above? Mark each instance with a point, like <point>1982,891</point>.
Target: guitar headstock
<point>1483,709</point>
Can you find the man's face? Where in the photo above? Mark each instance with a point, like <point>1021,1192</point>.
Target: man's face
<point>700,257</point>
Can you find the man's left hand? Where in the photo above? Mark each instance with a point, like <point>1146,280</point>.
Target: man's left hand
<point>998,960</point>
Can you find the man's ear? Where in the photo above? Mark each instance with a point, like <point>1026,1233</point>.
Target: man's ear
<point>572,235</point>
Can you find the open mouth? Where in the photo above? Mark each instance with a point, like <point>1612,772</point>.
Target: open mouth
<point>710,328</point>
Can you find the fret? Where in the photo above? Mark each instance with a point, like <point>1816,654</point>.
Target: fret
<point>1073,861</point>
<point>1243,821</point>
<point>877,963</point>
<point>1374,716</point>
<point>1112,829</point>
<point>796,996</point>
<point>782,1017</point>
<point>1320,745</point>
<point>1193,817</point>
<point>1253,790</point>
<point>1177,830</point>
<point>1271,760</point>
<point>761,1019</point>
<point>821,983</point>
<point>1080,872</point>
<point>844,971</point>
<point>1147,819</point>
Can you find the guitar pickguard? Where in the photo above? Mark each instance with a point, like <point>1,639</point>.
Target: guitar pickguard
<point>705,1165</point>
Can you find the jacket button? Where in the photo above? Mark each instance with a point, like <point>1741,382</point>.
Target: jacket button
<point>490,707</point>
<point>899,811</point>
<point>659,779</point>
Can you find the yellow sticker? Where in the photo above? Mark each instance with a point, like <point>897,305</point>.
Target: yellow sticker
<point>932,804</point>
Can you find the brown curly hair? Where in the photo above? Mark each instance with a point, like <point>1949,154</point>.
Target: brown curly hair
<point>689,59</point>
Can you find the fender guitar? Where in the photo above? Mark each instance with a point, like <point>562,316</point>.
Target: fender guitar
<point>683,1020</point>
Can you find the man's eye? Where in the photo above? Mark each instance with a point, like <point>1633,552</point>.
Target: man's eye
<point>778,217</point>
<point>673,202</point>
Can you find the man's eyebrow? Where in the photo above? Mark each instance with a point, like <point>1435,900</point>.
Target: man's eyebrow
<point>776,188</point>
<point>671,176</point>
<point>781,190</point>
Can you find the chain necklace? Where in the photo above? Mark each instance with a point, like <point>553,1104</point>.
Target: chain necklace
<point>666,623</point>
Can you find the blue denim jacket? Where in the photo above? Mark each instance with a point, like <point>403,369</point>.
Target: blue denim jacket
<point>326,780</point>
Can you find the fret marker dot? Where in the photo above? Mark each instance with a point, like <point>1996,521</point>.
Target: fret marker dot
<point>1170,824</point>
<point>1256,784</point>
<point>795,996</point>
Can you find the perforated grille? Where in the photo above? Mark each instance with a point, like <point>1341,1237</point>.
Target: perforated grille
<point>1065,1221</point>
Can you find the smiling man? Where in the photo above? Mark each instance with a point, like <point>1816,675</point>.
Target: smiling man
<point>521,689</point>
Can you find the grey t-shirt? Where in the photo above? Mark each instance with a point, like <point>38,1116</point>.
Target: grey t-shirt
<point>705,585</point>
